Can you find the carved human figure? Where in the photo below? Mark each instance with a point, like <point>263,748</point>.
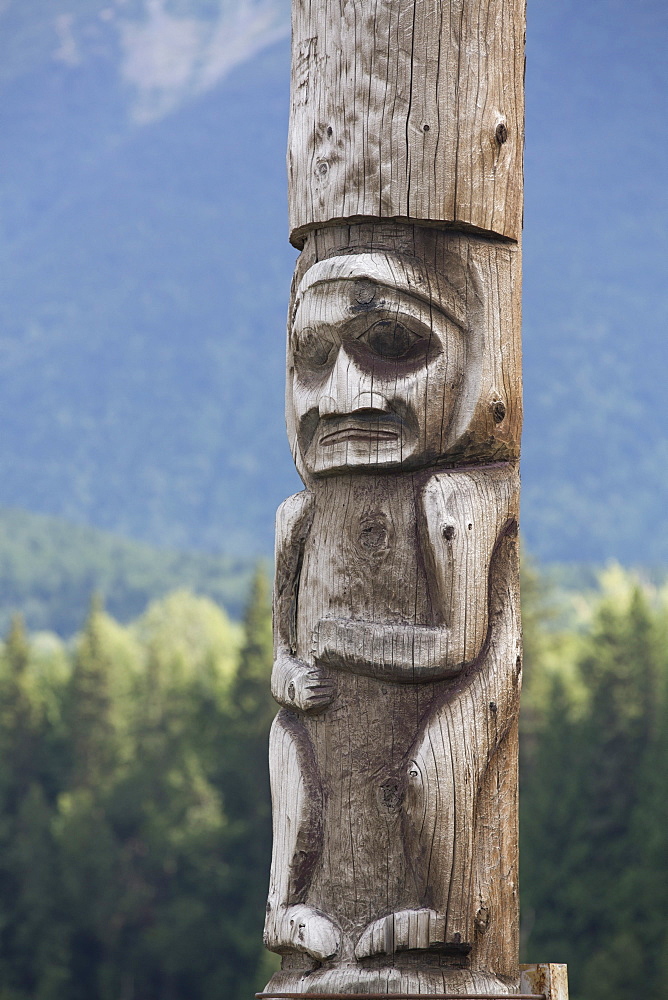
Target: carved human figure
<point>396,629</point>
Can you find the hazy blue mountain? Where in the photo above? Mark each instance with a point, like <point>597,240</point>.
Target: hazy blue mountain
<point>596,288</point>
<point>143,300</point>
<point>145,271</point>
<point>49,570</point>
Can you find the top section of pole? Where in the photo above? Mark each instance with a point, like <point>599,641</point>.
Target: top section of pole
<point>407,109</point>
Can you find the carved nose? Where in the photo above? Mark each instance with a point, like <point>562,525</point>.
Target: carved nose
<point>349,389</point>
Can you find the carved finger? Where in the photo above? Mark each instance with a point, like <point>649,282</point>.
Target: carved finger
<point>318,701</point>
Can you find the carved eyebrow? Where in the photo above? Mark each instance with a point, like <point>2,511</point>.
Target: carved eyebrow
<point>403,275</point>
<point>422,294</point>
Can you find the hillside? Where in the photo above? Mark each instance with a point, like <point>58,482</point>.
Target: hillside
<point>145,272</point>
<point>49,570</point>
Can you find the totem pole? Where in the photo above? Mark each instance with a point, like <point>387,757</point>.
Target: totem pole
<point>396,608</point>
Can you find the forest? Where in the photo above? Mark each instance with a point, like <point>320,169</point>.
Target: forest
<point>134,802</point>
<point>49,567</point>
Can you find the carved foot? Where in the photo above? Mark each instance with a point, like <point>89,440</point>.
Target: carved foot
<point>302,928</point>
<point>407,930</point>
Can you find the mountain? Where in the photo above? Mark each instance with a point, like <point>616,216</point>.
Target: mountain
<point>145,272</point>
<point>143,290</point>
<point>595,446</point>
<point>50,569</point>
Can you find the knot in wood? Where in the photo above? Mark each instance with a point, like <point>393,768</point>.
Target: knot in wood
<point>365,292</point>
<point>373,533</point>
<point>498,410</point>
<point>482,919</point>
<point>391,794</point>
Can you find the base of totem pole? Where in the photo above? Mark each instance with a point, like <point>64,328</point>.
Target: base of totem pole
<point>401,977</point>
<point>544,981</point>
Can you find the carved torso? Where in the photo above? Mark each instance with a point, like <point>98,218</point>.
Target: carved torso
<point>363,556</point>
<point>362,560</point>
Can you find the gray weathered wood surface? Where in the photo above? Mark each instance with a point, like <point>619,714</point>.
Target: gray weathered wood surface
<point>410,110</point>
<point>549,979</point>
<point>397,617</point>
<point>396,606</point>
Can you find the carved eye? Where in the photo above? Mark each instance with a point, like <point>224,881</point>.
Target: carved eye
<point>312,349</point>
<point>390,340</point>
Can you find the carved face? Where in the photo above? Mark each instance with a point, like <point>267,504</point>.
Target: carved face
<point>383,366</point>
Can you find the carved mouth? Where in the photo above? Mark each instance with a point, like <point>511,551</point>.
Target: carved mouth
<point>368,428</point>
<point>364,434</point>
<point>364,437</point>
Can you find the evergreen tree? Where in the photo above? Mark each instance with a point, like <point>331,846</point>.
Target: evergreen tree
<point>621,671</point>
<point>35,954</point>
<point>639,946</point>
<point>581,801</point>
<point>19,722</point>
<point>25,842</point>
<point>549,799</point>
<point>91,732</point>
<point>245,780</point>
<point>252,706</point>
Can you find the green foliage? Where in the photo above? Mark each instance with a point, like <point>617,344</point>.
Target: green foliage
<point>594,822</point>
<point>134,807</point>
<point>245,775</point>
<point>134,799</point>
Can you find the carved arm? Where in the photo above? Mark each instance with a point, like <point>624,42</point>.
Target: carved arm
<point>294,684</point>
<point>465,515</point>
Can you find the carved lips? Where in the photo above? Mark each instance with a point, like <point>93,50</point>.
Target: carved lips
<point>363,438</point>
<point>374,429</point>
<point>358,434</point>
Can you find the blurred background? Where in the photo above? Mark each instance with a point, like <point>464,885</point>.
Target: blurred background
<point>143,289</point>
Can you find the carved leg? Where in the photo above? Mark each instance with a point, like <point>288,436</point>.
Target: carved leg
<point>438,825</point>
<point>448,794</point>
<point>440,815</point>
<point>291,925</point>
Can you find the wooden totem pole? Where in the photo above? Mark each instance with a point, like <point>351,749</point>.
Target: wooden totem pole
<point>397,626</point>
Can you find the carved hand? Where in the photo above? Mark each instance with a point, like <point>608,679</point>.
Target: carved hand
<point>296,685</point>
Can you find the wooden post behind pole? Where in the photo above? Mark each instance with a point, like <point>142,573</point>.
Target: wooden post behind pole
<point>397,629</point>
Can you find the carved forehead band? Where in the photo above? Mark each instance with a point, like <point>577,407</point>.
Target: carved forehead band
<point>394,272</point>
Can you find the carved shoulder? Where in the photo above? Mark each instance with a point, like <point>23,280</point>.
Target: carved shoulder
<point>466,513</point>
<point>293,519</point>
<point>293,523</point>
<point>461,505</point>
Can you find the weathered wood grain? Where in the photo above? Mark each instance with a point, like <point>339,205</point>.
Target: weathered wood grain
<point>396,604</point>
<point>549,979</point>
<point>407,110</point>
<point>396,622</point>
